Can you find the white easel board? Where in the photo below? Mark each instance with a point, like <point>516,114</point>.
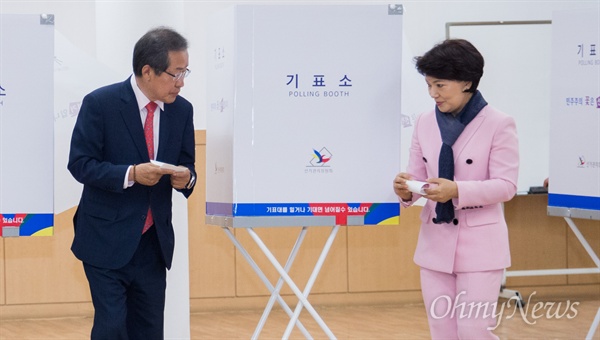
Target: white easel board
<point>26,125</point>
<point>303,123</point>
<point>574,189</point>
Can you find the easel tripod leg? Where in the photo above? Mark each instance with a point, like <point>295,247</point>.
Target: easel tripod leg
<point>265,280</point>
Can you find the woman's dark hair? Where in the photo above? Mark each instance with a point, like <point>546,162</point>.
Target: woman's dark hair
<point>153,49</point>
<point>453,59</point>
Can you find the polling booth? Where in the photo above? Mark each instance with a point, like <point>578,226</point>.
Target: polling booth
<point>575,116</point>
<point>303,125</point>
<point>26,125</point>
<point>574,190</point>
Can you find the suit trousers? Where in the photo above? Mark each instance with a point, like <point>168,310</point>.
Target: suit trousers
<point>129,302</point>
<point>461,305</point>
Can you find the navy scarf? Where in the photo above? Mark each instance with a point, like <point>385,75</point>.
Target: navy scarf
<point>450,128</point>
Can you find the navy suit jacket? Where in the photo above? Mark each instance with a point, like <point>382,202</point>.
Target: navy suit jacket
<point>108,137</point>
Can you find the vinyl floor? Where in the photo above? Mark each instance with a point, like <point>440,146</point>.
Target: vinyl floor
<point>551,320</point>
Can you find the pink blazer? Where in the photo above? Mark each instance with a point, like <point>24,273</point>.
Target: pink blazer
<point>486,158</point>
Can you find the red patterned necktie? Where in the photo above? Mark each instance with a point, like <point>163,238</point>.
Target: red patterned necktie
<point>149,134</point>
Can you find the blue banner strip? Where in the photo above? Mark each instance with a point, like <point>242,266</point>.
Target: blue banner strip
<point>376,212</point>
<point>35,222</point>
<point>572,201</point>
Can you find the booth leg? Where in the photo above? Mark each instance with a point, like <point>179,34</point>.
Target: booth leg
<point>267,283</point>
<point>300,295</point>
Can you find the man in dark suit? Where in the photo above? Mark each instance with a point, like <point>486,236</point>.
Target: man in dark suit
<point>123,230</point>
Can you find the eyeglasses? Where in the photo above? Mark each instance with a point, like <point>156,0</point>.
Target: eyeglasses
<point>180,75</point>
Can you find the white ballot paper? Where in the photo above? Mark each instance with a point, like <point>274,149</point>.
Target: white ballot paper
<point>168,166</point>
<point>417,186</point>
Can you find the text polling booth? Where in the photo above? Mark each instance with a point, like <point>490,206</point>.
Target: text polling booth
<point>26,125</point>
<point>303,123</point>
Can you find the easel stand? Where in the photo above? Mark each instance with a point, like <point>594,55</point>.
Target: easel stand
<point>508,293</point>
<point>284,277</point>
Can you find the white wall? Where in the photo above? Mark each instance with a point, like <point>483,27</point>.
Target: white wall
<point>108,30</point>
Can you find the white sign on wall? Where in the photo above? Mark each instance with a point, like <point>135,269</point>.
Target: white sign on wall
<point>575,116</point>
<point>26,125</point>
<point>304,113</point>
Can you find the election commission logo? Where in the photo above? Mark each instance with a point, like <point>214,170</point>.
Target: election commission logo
<point>320,158</point>
<point>319,162</point>
<point>2,95</point>
<point>583,163</point>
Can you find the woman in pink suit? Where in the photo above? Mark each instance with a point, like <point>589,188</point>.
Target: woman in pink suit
<point>467,152</point>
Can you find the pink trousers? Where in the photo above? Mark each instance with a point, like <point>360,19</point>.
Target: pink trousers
<point>461,305</point>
